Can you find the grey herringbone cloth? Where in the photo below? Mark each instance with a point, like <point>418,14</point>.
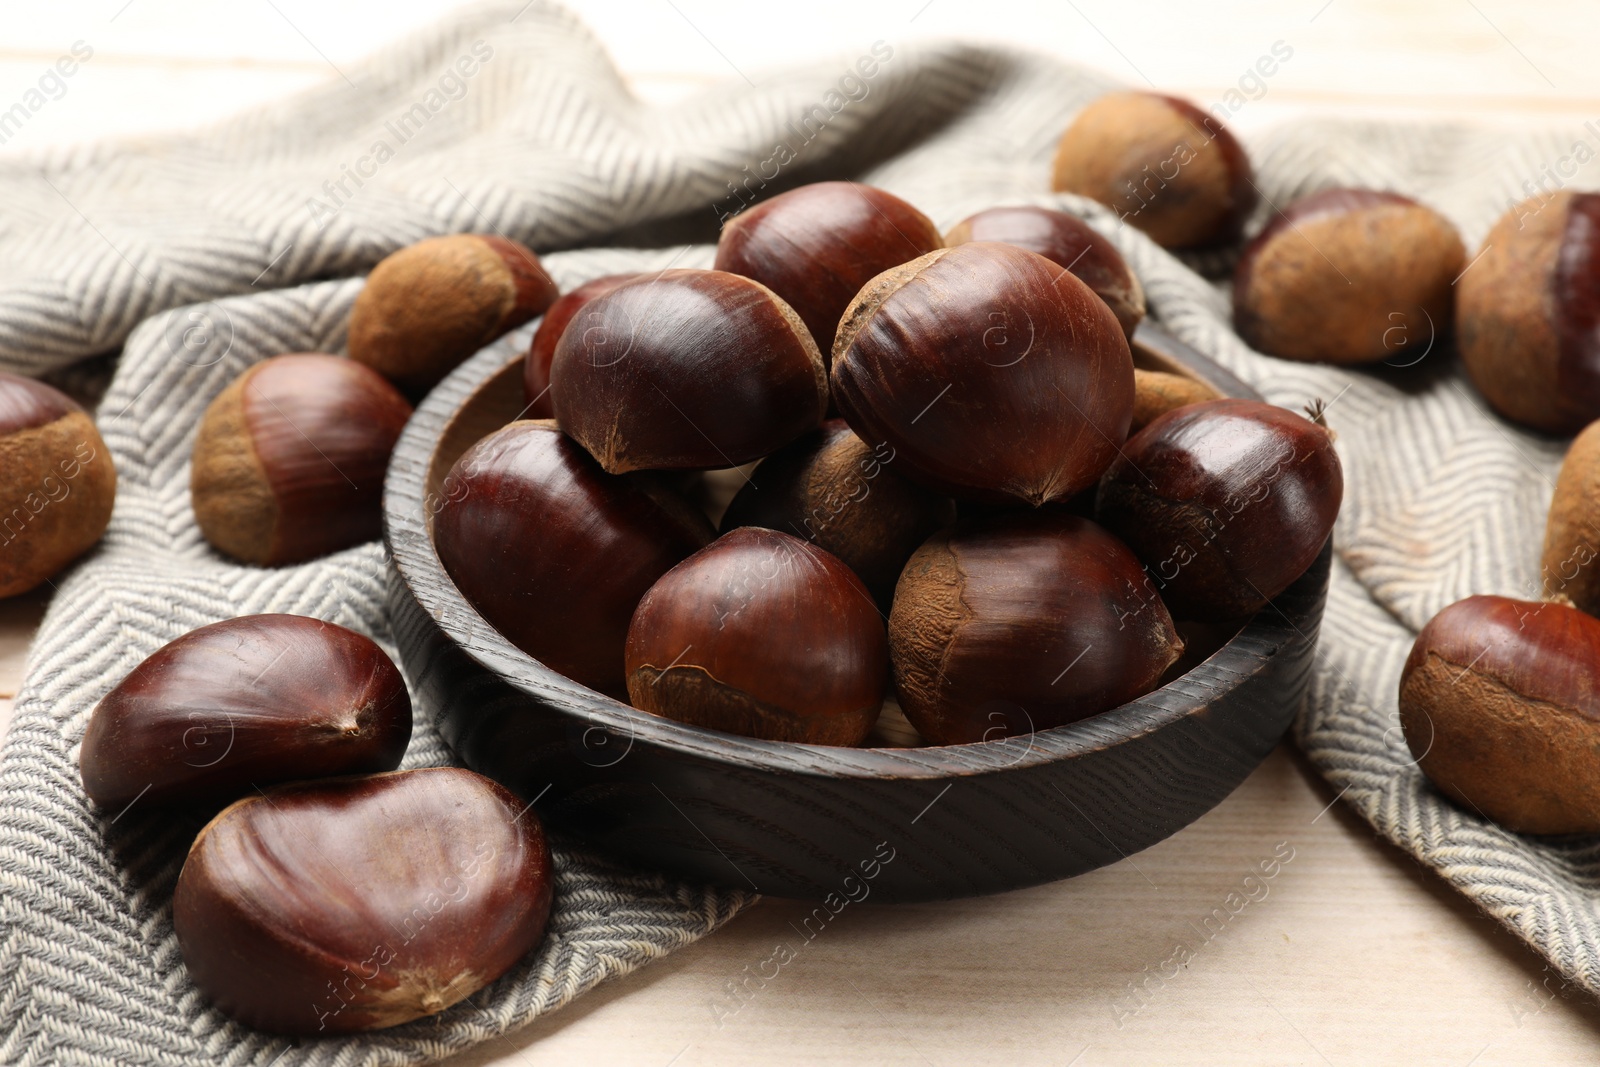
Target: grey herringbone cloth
<point>542,141</point>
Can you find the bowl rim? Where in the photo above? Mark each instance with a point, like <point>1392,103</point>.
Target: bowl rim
<point>407,534</point>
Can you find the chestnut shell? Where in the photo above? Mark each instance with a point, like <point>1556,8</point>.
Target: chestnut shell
<point>761,634</point>
<point>817,245</point>
<point>246,703</point>
<point>359,903</point>
<point>687,370</point>
<point>1225,501</point>
<point>554,552</point>
<point>1022,622</point>
<point>994,373</point>
<point>1069,241</point>
<point>536,371</point>
<point>832,489</point>
<point>1499,706</point>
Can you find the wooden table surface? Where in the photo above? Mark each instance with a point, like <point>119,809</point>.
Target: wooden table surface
<point>1352,954</point>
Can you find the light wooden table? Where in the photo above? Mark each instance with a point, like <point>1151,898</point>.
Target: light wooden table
<point>1355,954</point>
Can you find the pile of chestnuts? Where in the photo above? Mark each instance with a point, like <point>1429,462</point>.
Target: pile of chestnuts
<point>973,531</point>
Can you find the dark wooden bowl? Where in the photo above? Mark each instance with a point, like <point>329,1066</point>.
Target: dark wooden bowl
<point>902,824</point>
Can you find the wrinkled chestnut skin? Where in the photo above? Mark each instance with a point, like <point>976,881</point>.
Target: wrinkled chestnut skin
<point>1156,392</point>
<point>1499,705</point>
<point>831,489</point>
<point>1066,240</point>
<point>242,704</point>
<point>554,552</point>
<point>57,483</point>
<point>536,368</point>
<point>1528,314</point>
<point>290,458</point>
<point>1349,276</point>
<point>1572,529</point>
<point>1161,164</point>
<point>1007,625</point>
<point>1226,502</point>
<point>430,305</point>
<point>817,245</point>
<point>994,373</point>
<point>687,370</point>
<point>764,635</point>
<point>353,904</point>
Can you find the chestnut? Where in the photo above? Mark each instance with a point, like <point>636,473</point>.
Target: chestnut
<point>430,305</point>
<point>764,635</point>
<point>1157,392</point>
<point>1572,529</point>
<point>1021,622</point>
<point>1069,241</point>
<point>1161,164</point>
<point>244,703</point>
<point>831,488</point>
<point>1525,313</point>
<point>554,552</point>
<point>57,483</point>
<point>290,458</point>
<point>687,370</point>
<point>817,245</point>
<point>1348,276</point>
<point>536,368</point>
<point>993,373</point>
<point>1227,502</point>
<point>352,904</point>
<point>1499,707</point>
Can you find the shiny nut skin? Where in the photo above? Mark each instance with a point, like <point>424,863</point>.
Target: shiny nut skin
<point>536,368</point>
<point>1500,710</point>
<point>290,458</point>
<point>1066,240</point>
<point>1226,502</point>
<point>1016,623</point>
<point>57,483</point>
<point>830,488</point>
<point>1571,560</point>
<point>430,305</point>
<point>1161,164</point>
<point>1528,313</point>
<point>1349,276</point>
<point>242,704</point>
<point>554,552</point>
<point>764,635</point>
<point>993,373</point>
<point>687,370</point>
<point>817,245</point>
<point>353,904</point>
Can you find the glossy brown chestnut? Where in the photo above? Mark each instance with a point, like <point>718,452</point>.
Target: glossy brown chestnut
<point>1161,164</point>
<point>1157,392</point>
<point>687,370</point>
<point>817,245</point>
<point>1349,276</point>
<point>1572,529</point>
<point>830,488</point>
<point>1066,240</point>
<point>1499,707</point>
<point>764,635</point>
<point>554,551</point>
<point>1022,622</point>
<point>57,483</point>
<point>1528,313</point>
<point>352,904</point>
<point>289,459</point>
<point>992,372</point>
<point>536,370</point>
<point>430,305</point>
<point>245,703</point>
<point>1227,502</point>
